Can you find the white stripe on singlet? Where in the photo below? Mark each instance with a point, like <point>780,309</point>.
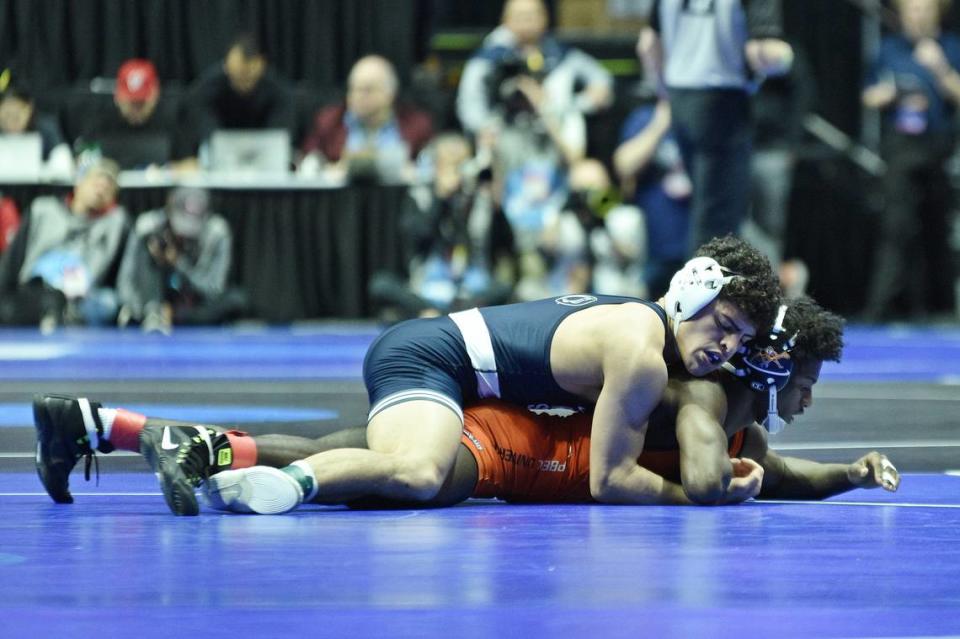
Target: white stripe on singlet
<point>415,394</point>
<point>480,349</point>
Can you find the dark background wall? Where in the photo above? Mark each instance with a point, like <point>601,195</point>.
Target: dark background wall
<point>64,42</point>
<point>61,42</point>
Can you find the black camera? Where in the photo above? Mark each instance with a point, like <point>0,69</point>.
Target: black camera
<point>162,238</point>
<point>592,205</point>
<point>502,89</point>
<point>165,238</point>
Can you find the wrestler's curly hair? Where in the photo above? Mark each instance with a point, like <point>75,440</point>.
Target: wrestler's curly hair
<point>820,331</point>
<point>757,291</point>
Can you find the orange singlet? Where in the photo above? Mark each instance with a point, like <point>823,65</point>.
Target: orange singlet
<point>542,458</point>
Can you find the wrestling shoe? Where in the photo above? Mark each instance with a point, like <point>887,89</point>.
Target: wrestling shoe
<point>258,489</point>
<point>182,457</point>
<point>68,428</point>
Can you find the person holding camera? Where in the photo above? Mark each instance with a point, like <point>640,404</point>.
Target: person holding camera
<point>455,238</point>
<point>518,96</point>
<point>175,266</point>
<point>915,83</point>
<point>597,244</point>
<point>520,68</point>
<point>651,171</point>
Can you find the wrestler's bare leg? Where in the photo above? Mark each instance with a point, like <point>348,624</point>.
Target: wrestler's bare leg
<point>458,486</point>
<point>412,448</point>
<point>281,450</point>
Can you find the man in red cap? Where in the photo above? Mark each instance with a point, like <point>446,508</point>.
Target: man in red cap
<point>143,130</point>
<point>137,91</point>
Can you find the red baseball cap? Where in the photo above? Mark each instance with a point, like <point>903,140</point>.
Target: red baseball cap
<point>137,80</point>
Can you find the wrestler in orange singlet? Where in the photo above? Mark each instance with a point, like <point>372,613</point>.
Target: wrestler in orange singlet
<point>521,456</point>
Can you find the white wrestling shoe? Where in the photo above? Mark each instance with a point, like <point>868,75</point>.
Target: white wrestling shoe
<point>259,489</point>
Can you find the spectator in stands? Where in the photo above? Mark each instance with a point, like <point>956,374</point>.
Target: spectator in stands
<point>62,262</point>
<point>597,244</point>
<point>9,221</point>
<point>175,267</point>
<point>914,80</point>
<point>519,50</point>
<point>144,129</point>
<point>370,128</point>
<point>18,115</point>
<point>455,239</point>
<point>650,167</point>
<point>241,93</point>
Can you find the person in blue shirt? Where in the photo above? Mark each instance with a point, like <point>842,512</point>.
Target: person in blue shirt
<point>649,164</point>
<point>915,84</point>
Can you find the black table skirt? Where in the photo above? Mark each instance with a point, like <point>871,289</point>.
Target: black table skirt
<point>299,253</point>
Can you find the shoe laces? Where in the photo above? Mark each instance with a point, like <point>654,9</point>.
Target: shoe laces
<point>91,459</point>
<point>193,457</point>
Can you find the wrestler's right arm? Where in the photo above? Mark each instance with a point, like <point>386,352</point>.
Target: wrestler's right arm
<point>705,468</point>
<point>708,474</point>
<point>633,383</point>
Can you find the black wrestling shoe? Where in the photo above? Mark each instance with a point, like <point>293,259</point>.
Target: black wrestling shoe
<point>63,436</point>
<point>182,457</point>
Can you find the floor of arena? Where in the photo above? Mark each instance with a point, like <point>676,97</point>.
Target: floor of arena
<point>117,563</point>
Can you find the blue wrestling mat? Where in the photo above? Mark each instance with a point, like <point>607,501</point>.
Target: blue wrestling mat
<point>118,564</point>
<point>898,354</point>
<point>14,415</point>
<point>336,352</point>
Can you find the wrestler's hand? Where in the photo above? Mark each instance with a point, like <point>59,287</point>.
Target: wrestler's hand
<point>746,481</point>
<point>872,470</point>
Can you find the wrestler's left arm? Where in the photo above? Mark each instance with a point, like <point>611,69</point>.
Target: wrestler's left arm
<point>795,478</point>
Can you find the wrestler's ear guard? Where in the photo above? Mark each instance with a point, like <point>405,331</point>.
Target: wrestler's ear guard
<point>694,286</point>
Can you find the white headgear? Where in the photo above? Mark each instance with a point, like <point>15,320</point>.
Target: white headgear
<point>694,286</point>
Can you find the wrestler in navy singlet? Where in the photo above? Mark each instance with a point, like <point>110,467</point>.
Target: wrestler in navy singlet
<point>496,351</point>
<point>522,335</point>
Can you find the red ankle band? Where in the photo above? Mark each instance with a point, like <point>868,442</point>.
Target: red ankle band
<point>244,449</point>
<point>125,434</point>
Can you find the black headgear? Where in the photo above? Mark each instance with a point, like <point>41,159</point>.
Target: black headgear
<point>766,366</point>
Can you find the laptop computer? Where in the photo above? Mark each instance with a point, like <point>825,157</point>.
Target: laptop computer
<point>21,157</point>
<point>250,151</point>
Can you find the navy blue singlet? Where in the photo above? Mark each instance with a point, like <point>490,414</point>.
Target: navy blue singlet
<point>496,351</point>
<point>522,335</point>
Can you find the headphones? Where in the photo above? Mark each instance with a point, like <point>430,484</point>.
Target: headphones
<point>694,286</point>
<point>767,366</point>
